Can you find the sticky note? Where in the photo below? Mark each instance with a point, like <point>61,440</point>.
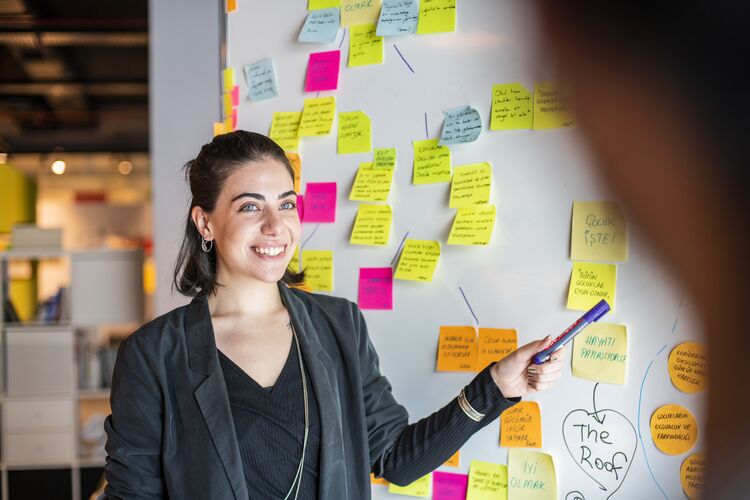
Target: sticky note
<point>235,95</point>
<point>692,474</point>
<point>432,163</point>
<point>372,225</point>
<point>436,16</point>
<point>261,80</point>
<point>600,353</point>
<point>285,129</point>
<point>598,232</point>
<point>471,185</point>
<point>301,207</point>
<point>317,116</point>
<point>419,488</point>
<point>323,71</point>
<point>531,475</point>
<point>688,367</point>
<point>521,426</point>
<point>511,107</point>
<point>226,104</point>
<point>365,47</point>
<point>321,26</point>
<point>378,480</point>
<point>218,128</point>
<point>461,125</point>
<point>487,481</point>
<point>473,226</point>
<point>418,260</point>
<point>371,184</point>
<point>590,283</point>
<point>384,158</point>
<point>227,78</point>
<point>376,288</point>
<point>454,460</point>
<point>231,6</point>
<point>551,107</point>
<point>320,202</point>
<point>356,12</point>
<point>494,345</point>
<point>230,124</point>
<point>673,429</point>
<point>449,486</point>
<point>322,4</point>
<point>296,162</point>
<point>398,17</point>
<point>355,133</point>
<point>318,265</point>
<point>457,349</point>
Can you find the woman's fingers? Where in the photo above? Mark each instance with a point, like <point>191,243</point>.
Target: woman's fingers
<point>545,376</point>
<point>540,386</point>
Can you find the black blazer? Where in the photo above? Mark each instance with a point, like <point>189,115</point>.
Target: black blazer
<point>171,432</point>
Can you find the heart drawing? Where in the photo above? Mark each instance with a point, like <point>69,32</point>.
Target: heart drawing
<point>602,443</point>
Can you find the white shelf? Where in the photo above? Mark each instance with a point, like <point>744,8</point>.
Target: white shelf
<point>93,394</point>
<point>34,253</point>
<point>38,325</point>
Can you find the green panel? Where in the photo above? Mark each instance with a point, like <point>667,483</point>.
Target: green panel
<point>17,198</point>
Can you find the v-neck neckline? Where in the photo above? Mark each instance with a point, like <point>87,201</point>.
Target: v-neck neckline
<point>270,390</point>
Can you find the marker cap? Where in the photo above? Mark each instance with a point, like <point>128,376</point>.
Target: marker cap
<point>597,311</point>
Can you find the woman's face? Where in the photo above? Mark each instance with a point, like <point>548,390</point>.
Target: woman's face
<point>255,223</point>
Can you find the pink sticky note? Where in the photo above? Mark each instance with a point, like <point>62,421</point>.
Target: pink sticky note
<point>449,486</point>
<point>235,95</point>
<point>323,71</point>
<point>320,202</point>
<point>376,288</point>
<point>234,118</point>
<point>301,206</point>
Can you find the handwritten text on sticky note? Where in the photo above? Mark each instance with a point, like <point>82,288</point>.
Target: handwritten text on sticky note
<point>590,283</point>
<point>372,225</point>
<point>323,71</point>
<point>598,232</point>
<point>376,288</point>
<point>600,353</point>
<point>461,125</point>
<point>521,426</point>
<point>418,260</point>
<point>473,226</point>
<point>320,202</point>
<point>432,163</point>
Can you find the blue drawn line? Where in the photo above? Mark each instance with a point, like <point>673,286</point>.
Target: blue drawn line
<point>317,95</point>
<point>476,320</point>
<point>343,35</point>
<point>399,247</point>
<point>682,297</point>
<point>426,133</point>
<point>640,435</point>
<point>308,238</point>
<point>403,58</point>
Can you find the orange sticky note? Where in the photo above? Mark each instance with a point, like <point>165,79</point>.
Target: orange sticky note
<point>457,349</point>
<point>455,460</point>
<point>378,480</point>
<point>296,162</point>
<point>521,426</point>
<point>494,345</point>
<point>231,6</point>
<point>218,128</point>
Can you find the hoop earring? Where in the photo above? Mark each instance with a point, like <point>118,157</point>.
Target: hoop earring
<point>206,245</point>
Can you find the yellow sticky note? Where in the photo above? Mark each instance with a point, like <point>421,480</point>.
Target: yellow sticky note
<point>487,481</point>
<point>454,460</point>
<point>531,475</point>
<point>473,226</point>
<point>218,128</point>
<point>436,16</point>
<point>551,107</point>
<point>294,263</point>
<point>371,184</point>
<point>365,47</point>
<point>511,107</point>
<point>590,283</point>
<point>227,77</point>
<point>688,367</point>
<point>318,265</point>
<point>418,260</point>
<point>285,129</point>
<point>419,488</point>
<point>471,185</point>
<point>355,12</point>
<point>432,163</point>
<point>226,101</point>
<point>384,158</point>
<point>598,232</point>
<point>600,353</point>
<point>521,426</point>
<point>372,225</point>
<point>228,125</point>
<point>457,349</point>
<point>692,474</point>
<point>317,116</point>
<point>673,429</point>
<point>296,162</point>
<point>355,133</point>
<point>494,345</point>
<point>322,4</point>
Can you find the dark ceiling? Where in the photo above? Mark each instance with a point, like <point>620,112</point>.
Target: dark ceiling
<point>73,75</point>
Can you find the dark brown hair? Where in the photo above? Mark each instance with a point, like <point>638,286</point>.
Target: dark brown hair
<point>195,270</point>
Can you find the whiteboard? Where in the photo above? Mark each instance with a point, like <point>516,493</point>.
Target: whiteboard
<point>520,280</point>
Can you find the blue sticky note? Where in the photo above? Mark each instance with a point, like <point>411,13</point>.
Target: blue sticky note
<point>321,26</point>
<point>398,17</point>
<point>462,124</point>
<point>261,80</point>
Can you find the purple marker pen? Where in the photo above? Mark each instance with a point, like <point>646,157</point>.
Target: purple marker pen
<point>592,315</point>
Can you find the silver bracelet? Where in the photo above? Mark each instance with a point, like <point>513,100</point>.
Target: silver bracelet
<point>467,408</point>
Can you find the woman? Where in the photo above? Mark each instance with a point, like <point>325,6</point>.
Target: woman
<point>259,390</point>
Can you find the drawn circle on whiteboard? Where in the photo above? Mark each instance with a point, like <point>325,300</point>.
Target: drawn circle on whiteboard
<point>692,473</point>
<point>673,429</point>
<point>688,367</point>
<point>574,495</point>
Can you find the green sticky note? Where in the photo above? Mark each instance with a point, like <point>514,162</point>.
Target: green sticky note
<point>322,4</point>
<point>511,107</point>
<point>355,133</point>
<point>365,47</point>
<point>384,158</point>
<point>436,16</point>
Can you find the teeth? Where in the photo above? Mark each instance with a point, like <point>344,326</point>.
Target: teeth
<point>272,251</point>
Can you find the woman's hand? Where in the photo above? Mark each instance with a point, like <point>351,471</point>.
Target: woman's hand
<point>516,375</point>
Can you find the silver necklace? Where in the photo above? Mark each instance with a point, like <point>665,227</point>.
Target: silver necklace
<point>298,477</point>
